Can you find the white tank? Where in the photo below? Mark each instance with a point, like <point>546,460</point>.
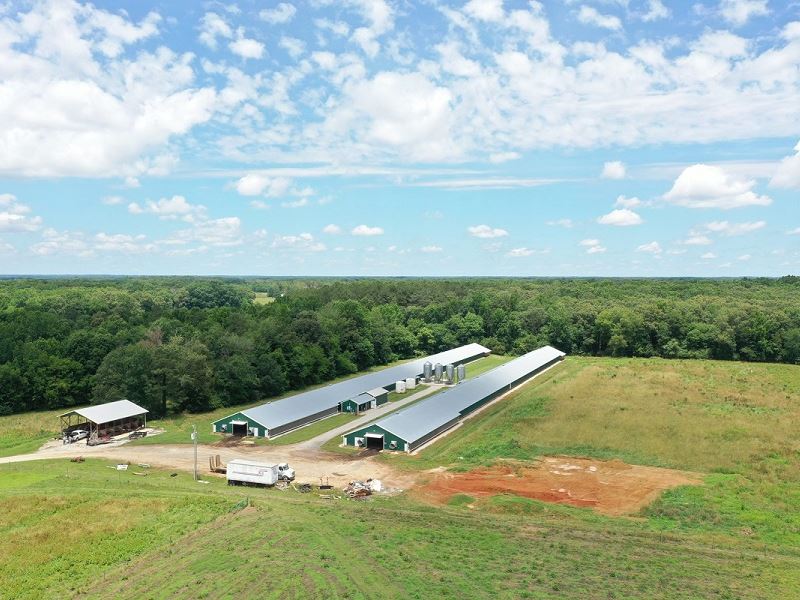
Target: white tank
<point>400,387</point>
<point>411,383</point>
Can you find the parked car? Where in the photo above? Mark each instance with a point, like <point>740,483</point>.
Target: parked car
<point>78,434</point>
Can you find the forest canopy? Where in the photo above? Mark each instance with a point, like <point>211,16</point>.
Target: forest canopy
<point>192,344</point>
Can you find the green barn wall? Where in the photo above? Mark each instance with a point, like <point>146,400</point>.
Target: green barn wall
<point>239,417</point>
<point>388,437</point>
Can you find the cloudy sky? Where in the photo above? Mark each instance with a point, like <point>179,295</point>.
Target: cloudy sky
<point>392,137</point>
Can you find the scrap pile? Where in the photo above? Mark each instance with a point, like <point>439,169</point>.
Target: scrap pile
<point>362,489</point>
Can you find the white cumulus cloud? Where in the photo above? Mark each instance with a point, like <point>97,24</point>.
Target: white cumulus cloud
<point>14,215</point>
<point>589,15</point>
<point>787,174</point>
<point>247,47</point>
<point>739,12</point>
<point>650,247</point>
<point>613,170</point>
<point>302,241</point>
<point>592,246</point>
<point>621,217</point>
<point>486,232</point>
<point>366,230</point>
<point>332,229</point>
<point>731,229</point>
<point>255,184</point>
<point>282,13</point>
<point>169,208</point>
<point>710,186</point>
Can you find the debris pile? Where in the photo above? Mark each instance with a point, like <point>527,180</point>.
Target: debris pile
<point>362,489</point>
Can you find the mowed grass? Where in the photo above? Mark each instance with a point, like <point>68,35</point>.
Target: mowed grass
<point>84,530</point>
<point>313,430</point>
<point>735,421</point>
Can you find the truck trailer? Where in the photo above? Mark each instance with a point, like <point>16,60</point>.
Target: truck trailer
<point>249,472</point>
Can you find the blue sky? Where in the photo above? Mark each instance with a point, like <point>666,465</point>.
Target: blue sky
<point>378,137</point>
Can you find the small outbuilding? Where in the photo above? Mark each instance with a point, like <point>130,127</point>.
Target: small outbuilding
<point>105,420</point>
<point>358,404</point>
<point>380,394</point>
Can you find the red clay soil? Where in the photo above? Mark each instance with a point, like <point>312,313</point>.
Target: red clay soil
<point>610,487</point>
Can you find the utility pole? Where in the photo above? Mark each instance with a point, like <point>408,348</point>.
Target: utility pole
<point>194,439</point>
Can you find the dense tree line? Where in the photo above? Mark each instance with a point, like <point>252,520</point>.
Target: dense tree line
<point>185,344</point>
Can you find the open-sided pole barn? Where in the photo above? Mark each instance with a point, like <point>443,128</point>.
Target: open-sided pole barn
<point>112,418</point>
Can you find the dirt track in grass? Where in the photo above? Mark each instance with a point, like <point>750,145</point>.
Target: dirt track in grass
<point>609,487</point>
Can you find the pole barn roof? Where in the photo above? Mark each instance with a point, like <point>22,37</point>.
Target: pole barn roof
<point>111,411</point>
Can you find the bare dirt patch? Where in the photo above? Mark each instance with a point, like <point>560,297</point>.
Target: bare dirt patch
<point>609,487</point>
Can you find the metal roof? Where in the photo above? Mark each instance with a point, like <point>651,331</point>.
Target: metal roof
<point>423,417</point>
<point>377,392</point>
<point>291,409</point>
<point>111,411</point>
<point>363,398</point>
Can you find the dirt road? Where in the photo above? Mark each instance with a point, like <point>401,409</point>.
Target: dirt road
<point>310,465</point>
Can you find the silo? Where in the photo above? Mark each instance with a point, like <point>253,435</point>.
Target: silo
<point>437,372</point>
<point>427,372</point>
<point>461,373</point>
<point>400,387</point>
<point>411,383</point>
<point>451,374</point>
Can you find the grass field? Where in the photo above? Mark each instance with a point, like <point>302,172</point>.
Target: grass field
<point>20,434</point>
<point>66,527</point>
<point>734,421</point>
<point>263,298</point>
<point>87,530</point>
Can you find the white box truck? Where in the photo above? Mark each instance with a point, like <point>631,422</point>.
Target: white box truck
<point>249,472</point>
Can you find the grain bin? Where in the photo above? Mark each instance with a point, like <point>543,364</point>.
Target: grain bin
<point>437,373</point>
<point>427,372</point>
<point>461,373</point>
<point>451,373</point>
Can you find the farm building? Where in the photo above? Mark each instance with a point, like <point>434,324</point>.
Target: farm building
<point>105,420</point>
<point>280,416</point>
<point>358,404</point>
<point>411,428</point>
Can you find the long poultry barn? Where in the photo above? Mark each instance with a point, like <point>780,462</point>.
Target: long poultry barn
<point>416,425</point>
<point>350,395</point>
